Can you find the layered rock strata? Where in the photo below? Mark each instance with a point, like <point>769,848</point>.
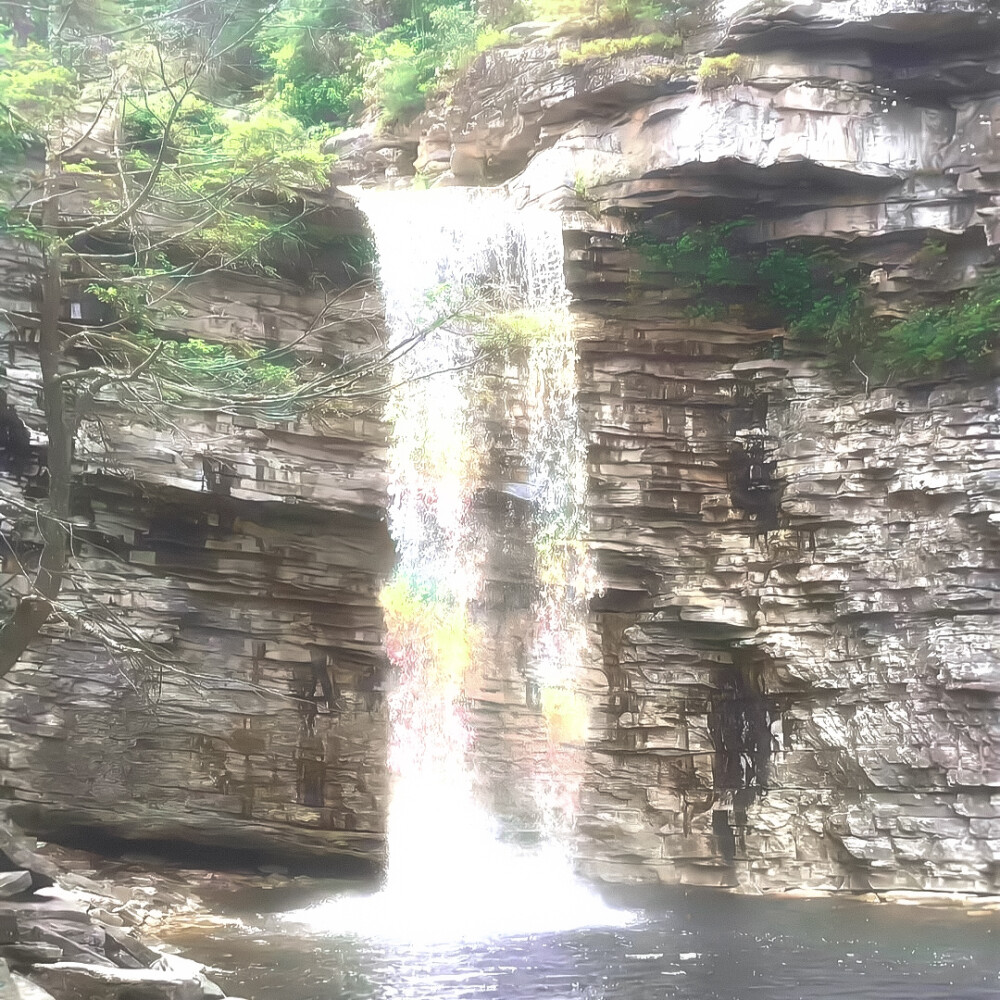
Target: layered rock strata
<point>800,614</point>
<point>798,622</point>
<point>248,557</point>
<point>793,660</point>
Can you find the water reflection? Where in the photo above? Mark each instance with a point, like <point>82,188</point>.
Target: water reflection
<point>515,892</point>
<point>687,945</point>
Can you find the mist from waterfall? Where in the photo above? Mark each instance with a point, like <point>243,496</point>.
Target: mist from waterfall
<point>457,267</point>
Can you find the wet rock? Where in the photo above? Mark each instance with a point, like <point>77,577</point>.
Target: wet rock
<point>27,990</point>
<point>76,981</point>
<point>177,965</point>
<point>14,883</point>
<point>28,953</point>
<point>6,983</point>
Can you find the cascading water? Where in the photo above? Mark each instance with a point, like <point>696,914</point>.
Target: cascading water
<point>458,267</point>
<point>462,914</point>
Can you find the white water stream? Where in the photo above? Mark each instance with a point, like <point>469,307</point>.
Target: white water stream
<point>448,260</point>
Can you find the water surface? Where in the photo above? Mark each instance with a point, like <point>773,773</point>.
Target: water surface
<point>680,944</point>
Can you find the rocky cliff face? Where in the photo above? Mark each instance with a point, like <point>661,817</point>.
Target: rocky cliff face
<point>794,658</point>
<point>798,628</point>
<point>799,624</point>
<point>248,556</point>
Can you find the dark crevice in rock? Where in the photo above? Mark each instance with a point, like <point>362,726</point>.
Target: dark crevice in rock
<point>98,841</point>
<point>751,482</point>
<point>17,455</point>
<point>739,720</point>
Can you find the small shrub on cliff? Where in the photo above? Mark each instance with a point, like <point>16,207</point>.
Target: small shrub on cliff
<point>966,331</point>
<point>822,300</point>
<point>490,38</point>
<point>783,286</point>
<point>400,81</point>
<point>721,71</point>
<point>606,48</point>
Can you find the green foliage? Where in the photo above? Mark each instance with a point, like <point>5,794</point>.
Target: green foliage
<point>784,286</point>
<point>262,148</point>
<point>330,61</point>
<point>13,139</point>
<point>510,330</point>
<point>271,150</point>
<point>821,301</point>
<point>635,10</point>
<point>966,331</point>
<point>702,258</point>
<point>186,177</point>
<point>36,92</point>
<point>312,52</point>
<point>605,48</point>
<point>605,14</point>
<point>327,65</point>
<point>400,81</point>
<point>933,248</point>
<point>417,56</point>
<point>194,372</point>
<point>639,11</point>
<point>490,38</point>
<point>788,282</point>
<point>229,368</point>
<point>237,240</point>
<point>15,225</point>
<point>128,300</point>
<point>196,124</point>
<point>356,253</point>
<point>315,99</point>
<point>454,34</point>
<point>721,71</point>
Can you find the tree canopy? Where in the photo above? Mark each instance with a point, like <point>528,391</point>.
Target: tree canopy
<point>139,154</point>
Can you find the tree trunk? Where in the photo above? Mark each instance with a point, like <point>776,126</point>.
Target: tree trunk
<point>33,611</point>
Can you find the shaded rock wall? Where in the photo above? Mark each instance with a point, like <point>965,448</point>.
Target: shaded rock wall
<point>808,700</point>
<point>249,556</point>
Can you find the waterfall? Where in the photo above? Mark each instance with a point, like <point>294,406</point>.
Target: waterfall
<point>461,272</point>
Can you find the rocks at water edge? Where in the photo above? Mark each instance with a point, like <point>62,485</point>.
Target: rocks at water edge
<point>58,943</point>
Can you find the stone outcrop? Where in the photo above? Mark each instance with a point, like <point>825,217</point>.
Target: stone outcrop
<point>58,943</point>
<point>515,101</point>
<point>804,695</point>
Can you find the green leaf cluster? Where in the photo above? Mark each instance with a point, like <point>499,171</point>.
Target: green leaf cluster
<point>778,286</point>
<point>966,331</point>
<point>721,71</point>
<point>821,300</point>
<point>808,292</point>
<point>36,91</point>
<point>504,331</point>
<point>606,48</point>
<point>197,124</point>
<point>328,63</point>
<point>230,368</point>
<point>195,373</point>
